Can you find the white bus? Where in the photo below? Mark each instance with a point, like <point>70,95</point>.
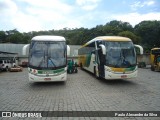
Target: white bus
<point>109,57</point>
<point>47,59</point>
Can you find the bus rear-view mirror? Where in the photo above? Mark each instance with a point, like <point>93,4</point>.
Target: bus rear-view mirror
<point>68,50</point>
<point>103,49</point>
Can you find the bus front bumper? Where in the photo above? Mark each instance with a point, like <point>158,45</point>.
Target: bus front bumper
<point>36,78</point>
<point>110,75</point>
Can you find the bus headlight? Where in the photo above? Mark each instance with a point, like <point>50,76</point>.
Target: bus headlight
<point>108,69</point>
<point>34,71</point>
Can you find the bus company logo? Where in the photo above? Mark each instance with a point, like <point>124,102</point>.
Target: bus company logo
<point>6,114</point>
<point>47,72</point>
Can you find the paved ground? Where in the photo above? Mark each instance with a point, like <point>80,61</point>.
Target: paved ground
<point>81,92</point>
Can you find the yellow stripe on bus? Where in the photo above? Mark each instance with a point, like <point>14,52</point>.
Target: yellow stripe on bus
<point>118,69</point>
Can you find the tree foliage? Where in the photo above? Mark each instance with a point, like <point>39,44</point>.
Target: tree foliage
<point>136,39</point>
<point>146,33</point>
<point>149,32</point>
<point>2,36</point>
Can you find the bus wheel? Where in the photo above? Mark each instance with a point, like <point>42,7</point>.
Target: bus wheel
<point>152,68</point>
<point>95,73</point>
<point>81,66</point>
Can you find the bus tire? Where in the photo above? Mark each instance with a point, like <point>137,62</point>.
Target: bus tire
<point>95,73</point>
<point>81,66</point>
<point>152,68</point>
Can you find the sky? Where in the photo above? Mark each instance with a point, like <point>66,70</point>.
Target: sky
<point>37,15</point>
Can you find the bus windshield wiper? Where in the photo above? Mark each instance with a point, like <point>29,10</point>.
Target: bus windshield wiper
<point>52,61</point>
<point>43,60</point>
<point>120,59</point>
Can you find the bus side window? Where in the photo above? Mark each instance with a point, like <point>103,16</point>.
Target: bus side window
<point>98,43</point>
<point>93,52</point>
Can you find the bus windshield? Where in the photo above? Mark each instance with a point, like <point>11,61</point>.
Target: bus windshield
<point>155,51</point>
<point>120,54</point>
<point>47,54</point>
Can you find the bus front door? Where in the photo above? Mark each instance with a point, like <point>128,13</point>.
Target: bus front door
<point>100,60</point>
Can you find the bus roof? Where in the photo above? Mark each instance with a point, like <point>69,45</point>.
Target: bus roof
<point>108,38</point>
<point>113,38</point>
<point>48,38</point>
<point>155,49</point>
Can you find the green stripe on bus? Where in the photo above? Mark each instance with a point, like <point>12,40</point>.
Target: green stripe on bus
<point>40,72</point>
<point>59,70</point>
<point>50,71</point>
<point>130,69</point>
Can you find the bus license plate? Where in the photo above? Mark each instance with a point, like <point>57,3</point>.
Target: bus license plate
<point>123,76</point>
<point>47,78</point>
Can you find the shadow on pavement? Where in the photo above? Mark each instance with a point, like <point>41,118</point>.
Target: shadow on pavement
<point>47,84</point>
<point>113,82</point>
<point>118,82</point>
